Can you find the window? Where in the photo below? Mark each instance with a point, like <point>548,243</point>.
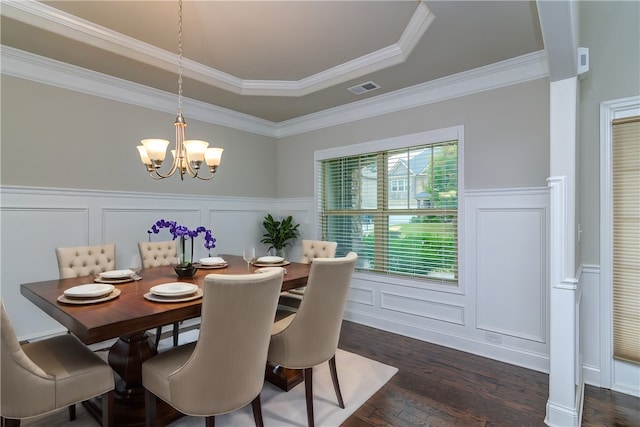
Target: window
<point>396,207</point>
<point>626,238</point>
<point>398,188</point>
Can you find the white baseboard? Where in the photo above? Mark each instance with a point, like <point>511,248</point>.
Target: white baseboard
<point>530,360</point>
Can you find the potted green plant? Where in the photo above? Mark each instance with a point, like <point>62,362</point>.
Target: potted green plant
<point>279,233</point>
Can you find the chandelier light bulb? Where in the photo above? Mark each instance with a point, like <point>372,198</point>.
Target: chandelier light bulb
<point>144,158</point>
<point>195,149</point>
<point>213,156</point>
<point>156,149</point>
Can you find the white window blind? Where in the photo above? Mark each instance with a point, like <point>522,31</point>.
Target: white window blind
<point>626,239</point>
<point>398,209</point>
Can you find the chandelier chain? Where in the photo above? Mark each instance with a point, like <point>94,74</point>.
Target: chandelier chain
<point>180,57</point>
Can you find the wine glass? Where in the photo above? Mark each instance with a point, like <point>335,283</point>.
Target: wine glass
<point>249,254</point>
<point>135,265</point>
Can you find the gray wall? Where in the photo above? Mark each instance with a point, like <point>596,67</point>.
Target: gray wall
<point>612,35</point>
<point>58,138</point>
<point>506,138</point>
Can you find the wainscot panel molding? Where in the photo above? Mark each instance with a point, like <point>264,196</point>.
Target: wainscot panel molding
<point>510,286</point>
<point>35,221</point>
<point>589,279</point>
<point>598,368</point>
<point>361,296</point>
<point>517,330</point>
<point>422,308</point>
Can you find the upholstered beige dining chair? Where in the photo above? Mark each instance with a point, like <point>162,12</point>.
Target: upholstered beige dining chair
<point>156,254</point>
<point>224,369</point>
<point>311,249</point>
<point>310,336</point>
<point>79,261</point>
<point>42,376</point>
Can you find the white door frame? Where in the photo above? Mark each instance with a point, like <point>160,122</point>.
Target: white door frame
<point>610,370</point>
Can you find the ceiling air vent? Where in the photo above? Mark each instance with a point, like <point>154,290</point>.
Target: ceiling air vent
<point>363,88</point>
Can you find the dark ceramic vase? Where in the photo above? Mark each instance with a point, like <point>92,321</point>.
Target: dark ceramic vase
<point>185,270</point>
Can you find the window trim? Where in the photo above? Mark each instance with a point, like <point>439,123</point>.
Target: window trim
<point>610,368</point>
<point>399,142</point>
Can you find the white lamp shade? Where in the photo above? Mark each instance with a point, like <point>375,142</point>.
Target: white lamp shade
<point>143,155</point>
<point>213,156</point>
<point>196,149</point>
<point>156,148</point>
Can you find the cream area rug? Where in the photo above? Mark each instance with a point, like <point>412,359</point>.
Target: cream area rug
<point>359,379</point>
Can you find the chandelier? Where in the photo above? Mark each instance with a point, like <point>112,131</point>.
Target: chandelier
<point>188,156</point>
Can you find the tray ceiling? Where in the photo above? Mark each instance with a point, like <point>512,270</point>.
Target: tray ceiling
<point>276,60</point>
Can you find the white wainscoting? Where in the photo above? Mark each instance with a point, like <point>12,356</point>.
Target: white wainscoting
<point>598,367</point>
<point>35,221</point>
<point>589,278</point>
<point>500,309</point>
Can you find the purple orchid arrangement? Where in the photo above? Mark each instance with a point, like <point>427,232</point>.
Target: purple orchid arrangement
<point>182,232</point>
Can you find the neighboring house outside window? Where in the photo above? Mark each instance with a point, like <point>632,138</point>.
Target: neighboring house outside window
<point>397,207</point>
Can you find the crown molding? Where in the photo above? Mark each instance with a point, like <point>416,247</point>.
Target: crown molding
<point>51,19</point>
<point>517,70</point>
<point>20,64</point>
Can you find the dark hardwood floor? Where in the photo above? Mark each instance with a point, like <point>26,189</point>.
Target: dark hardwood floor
<point>438,386</point>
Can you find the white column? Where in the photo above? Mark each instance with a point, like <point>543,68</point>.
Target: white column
<point>564,406</point>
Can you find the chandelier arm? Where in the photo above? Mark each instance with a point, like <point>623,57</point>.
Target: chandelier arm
<point>155,175</point>
<point>193,172</point>
<point>206,178</point>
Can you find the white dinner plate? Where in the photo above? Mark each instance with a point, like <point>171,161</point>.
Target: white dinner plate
<point>81,301</point>
<point>213,260</point>
<point>116,274</point>
<point>270,264</point>
<point>174,289</point>
<point>210,266</point>
<point>90,290</point>
<point>270,259</point>
<point>100,279</point>
<point>268,269</point>
<point>158,298</point>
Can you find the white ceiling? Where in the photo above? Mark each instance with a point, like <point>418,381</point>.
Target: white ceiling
<point>275,60</point>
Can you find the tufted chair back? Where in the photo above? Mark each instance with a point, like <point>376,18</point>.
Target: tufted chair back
<point>317,249</point>
<point>311,249</point>
<point>85,260</point>
<point>156,254</point>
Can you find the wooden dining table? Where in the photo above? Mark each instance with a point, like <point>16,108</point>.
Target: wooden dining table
<point>127,318</point>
